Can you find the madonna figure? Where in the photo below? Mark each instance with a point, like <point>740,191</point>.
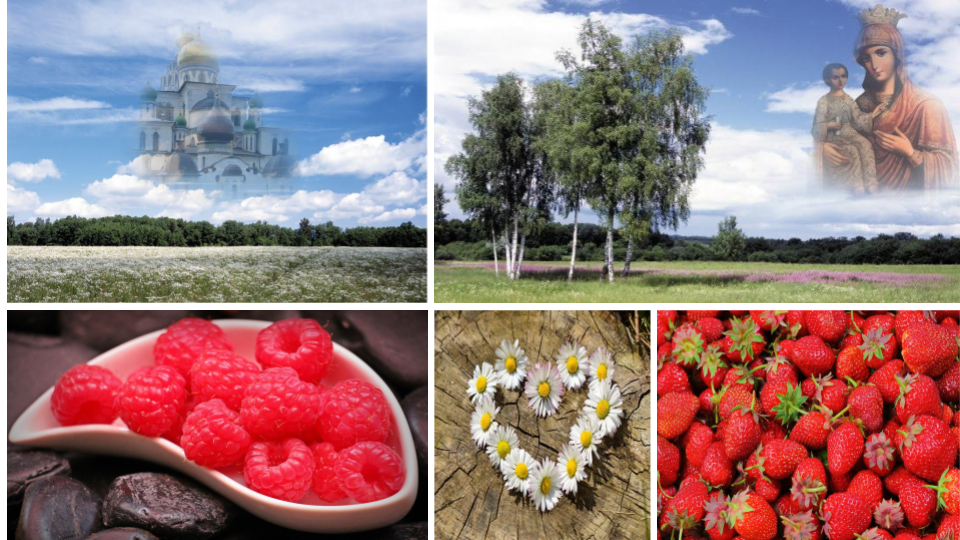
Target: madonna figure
<point>913,141</point>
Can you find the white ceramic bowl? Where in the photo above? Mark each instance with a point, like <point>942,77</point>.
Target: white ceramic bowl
<point>37,427</point>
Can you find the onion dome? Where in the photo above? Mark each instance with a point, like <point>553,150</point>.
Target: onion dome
<point>208,102</point>
<point>180,121</point>
<point>249,125</point>
<point>197,52</point>
<point>148,93</point>
<point>256,102</point>
<point>216,126</point>
<point>232,170</point>
<point>180,164</point>
<point>279,166</point>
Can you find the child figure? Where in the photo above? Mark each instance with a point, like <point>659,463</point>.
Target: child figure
<point>838,120</point>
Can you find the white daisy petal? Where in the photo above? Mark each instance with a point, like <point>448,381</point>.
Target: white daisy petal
<point>483,384</point>
<point>511,364</point>
<point>517,469</point>
<point>606,405</point>
<point>572,466</point>
<point>545,485</point>
<point>481,422</point>
<point>500,443</point>
<point>585,436</point>
<point>544,389</point>
<point>572,363</point>
<point>601,367</point>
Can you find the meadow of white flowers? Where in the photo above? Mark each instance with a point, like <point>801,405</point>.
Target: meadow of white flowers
<point>216,274</point>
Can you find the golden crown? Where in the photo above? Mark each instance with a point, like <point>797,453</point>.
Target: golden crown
<point>881,15</point>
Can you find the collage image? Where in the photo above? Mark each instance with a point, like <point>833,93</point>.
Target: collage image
<point>441,270</point>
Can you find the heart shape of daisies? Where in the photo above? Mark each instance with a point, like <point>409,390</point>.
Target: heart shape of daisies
<point>544,385</point>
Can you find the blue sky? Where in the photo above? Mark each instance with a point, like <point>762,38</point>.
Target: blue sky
<point>348,82</point>
<point>762,60</point>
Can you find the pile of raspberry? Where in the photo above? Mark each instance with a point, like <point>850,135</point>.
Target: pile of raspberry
<point>808,424</point>
<point>274,417</point>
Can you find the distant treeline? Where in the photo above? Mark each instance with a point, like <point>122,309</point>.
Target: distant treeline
<point>162,231</point>
<point>465,240</point>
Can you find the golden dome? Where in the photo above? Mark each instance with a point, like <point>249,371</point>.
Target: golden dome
<point>197,52</point>
<point>185,37</point>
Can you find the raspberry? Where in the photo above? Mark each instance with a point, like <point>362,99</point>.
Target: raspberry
<point>297,343</point>
<point>282,470</point>
<point>278,404</point>
<point>84,395</point>
<point>185,340</point>
<point>176,430</point>
<point>224,375</point>
<point>369,471</point>
<point>354,411</point>
<point>213,436</point>
<point>325,483</point>
<point>151,400</point>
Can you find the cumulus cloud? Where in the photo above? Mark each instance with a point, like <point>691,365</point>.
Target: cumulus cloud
<point>365,157</point>
<point>76,206</point>
<point>399,213</point>
<point>745,11</point>
<point>397,188</point>
<point>37,60</point>
<point>275,209</point>
<point>129,189</point>
<point>20,200</point>
<point>272,85</point>
<point>19,104</point>
<point>32,172</point>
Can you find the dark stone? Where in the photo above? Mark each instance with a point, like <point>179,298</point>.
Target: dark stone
<point>25,467</point>
<point>167,506</point>
<point>400,531</point>
<point>123,533</point>
<point>34,363</point>
<point>58,507</point>
<point>103,330</point>
<point>415,409</point>
<point>33,321</point>
<point>396,343</point>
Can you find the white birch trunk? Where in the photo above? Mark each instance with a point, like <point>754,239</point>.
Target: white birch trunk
<point>523,246</point>
<point>496,264</point>
<point>609,250</point>
<point>513,246</point>
<point>626,263</point>
<point>573,251</point>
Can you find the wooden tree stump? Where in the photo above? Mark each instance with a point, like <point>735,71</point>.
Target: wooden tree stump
<point>471,500</point>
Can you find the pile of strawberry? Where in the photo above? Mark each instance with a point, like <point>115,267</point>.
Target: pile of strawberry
<point>805,424</point>
<point>274,417</point>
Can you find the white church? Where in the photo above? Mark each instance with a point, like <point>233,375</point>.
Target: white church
<point>193,127</point>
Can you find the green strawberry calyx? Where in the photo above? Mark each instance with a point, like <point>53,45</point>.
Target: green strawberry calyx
<point>744,334</point>
<point>790,407</point>
<point>687,345</point>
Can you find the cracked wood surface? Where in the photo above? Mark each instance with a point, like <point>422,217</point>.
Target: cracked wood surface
<point>471,500</point>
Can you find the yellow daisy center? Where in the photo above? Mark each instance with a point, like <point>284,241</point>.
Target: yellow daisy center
<point>572,365</point>
<point>503,448</point>
<point>545,485</point>
<point>571,468</point>
<point>603,409</point>
<point>543,389</point>
<point>482,384</point>
<point>485,421</point>
<point>586,438</point>
<point>511,364</point>
<point>521,471</point>
<point>602,372</point>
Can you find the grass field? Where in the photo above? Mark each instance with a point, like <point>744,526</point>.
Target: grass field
<point>216,274</point>
<point>701,282</point>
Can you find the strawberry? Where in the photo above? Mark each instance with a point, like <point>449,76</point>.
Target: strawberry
<point>829,325</point>
<point>949,528</point>
<point>743,342</point>
<point>795,322</point>
<point>668,461</point>
<point>928,349</point>
<point>830,393</point>
<point>852,364</point>
<point>695,443</point>
<point>666,322</point>
<point>715,515</point>
<point>948,491</point>
<point>885,379</point>
<point>768,320</point>
<point>717,467</point>
<point>866,404</point>
<point>801,526</point>
<point>879,347</point>
<point>694,316</point>
<point>742,434</point>
<point>707,401</point>
<point>712,369</point>
<point>672,378</point>
<point>928,448</point>
<point>918,395</point>
<point>889,515</point>
<point>879,454</point>
<point>844,448</point>
<point>752,517</point>
<point>845,515</point>
<point>733,397</point>
<point>779,458</point>
<point>812,430</point>
<point>687,346</point>
<point>875,533</point>
<point>949,384</point>
<point>780,368</point>
<point>882,321</point>
<point>786,506</point>
<point>906,318</point>
<point>895,480</point>
<point>687,508</point>
<point>869,487</point>
<point>812,356</point>
<point>675,413</point>
<point>783,401</point>
<point>809,483</point>
<point>919,503</point>
<point>711,328</point>
<point>767,488</point>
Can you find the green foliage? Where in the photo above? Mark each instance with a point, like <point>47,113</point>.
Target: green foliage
<point>147,231</point>
<point>729,244</point>
<point>439,201</point>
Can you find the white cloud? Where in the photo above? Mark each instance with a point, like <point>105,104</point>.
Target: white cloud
<point>797,98</point>
<point>272,85</point>
<point>77,206</point>
<point>187,204</point>
<point>276,209</point>
<point>37,60</point>
<point>405,91</point>
<point>745,11</point>
<point>355,89</point>
<point>365,157</point>
<point>399,213</point>
<point>19,104</point>
<point>32,172</point>
<point>397,188</point>
<point>20,200</point>
<point>138,166</point>
<point>131,190</point>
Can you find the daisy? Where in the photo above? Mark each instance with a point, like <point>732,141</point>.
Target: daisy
<point>511,364</point>
<point>545,485</point>
<point>544,389</point>
<point>516,469</point>
<point>601,367</point>
<point>604,404</point>
<point>481,423</point>
<point>586,437</point>
<point>571,464</point>
<point>500,443</point>
<point>483,384</point>
<point>572,364</point>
